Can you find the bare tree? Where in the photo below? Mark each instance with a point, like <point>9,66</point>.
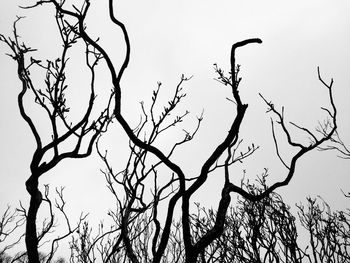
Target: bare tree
<point>137,211</point>
<point>12,222</point>
<point>190,242</point>
<point>52,100</point>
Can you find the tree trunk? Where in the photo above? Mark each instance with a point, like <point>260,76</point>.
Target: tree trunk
<point>31,237</point>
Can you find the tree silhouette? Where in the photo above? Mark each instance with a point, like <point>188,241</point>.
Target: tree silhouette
<point>139,233</point>
<point>79,135</point>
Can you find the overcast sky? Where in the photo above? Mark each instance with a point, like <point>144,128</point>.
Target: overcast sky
<point>170,38</point>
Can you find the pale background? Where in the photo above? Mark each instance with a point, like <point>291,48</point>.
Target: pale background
<point>169,38</point>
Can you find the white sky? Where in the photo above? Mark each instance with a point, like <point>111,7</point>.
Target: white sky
<point>169,38</point>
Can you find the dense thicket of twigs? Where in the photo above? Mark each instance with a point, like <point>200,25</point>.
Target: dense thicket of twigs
<point>263,231</point>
